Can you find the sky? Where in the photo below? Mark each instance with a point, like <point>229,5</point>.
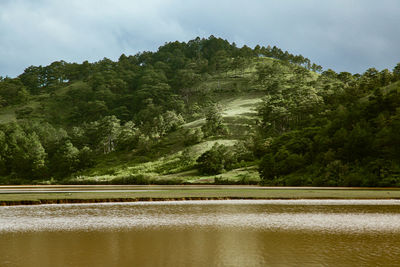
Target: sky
<point>345,35</point>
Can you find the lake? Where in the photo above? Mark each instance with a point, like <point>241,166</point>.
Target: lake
<point>203,233</point>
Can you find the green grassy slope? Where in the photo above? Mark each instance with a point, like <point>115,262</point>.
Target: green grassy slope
<point>235,92</point>
<point>238,114</point>
<point>238,109</point>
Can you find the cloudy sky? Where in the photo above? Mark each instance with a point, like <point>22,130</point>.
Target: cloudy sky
<point>346,35</point>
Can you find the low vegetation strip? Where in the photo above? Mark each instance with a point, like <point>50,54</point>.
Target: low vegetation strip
<point>195,194</point>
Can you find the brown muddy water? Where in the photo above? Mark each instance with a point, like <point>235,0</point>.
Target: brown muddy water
<point>203,233</point>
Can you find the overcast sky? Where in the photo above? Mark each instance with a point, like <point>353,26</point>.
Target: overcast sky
<point>345,35</point>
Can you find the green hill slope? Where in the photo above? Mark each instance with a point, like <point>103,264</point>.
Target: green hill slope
<point>204,111</point>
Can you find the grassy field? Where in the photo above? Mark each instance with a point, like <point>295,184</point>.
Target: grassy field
<point>152,193</point>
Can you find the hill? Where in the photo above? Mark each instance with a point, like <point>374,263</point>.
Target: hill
<point>204,111</point>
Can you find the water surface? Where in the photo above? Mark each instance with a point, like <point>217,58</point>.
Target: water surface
<point>203,233</point>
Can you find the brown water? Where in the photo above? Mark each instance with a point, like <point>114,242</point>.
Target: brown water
<point>203,233</point>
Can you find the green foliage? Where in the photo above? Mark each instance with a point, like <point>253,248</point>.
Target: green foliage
<point>244,180</point>
<point>23,112</point>
<point>187,158</point>
<point>86,158</point>
<point>22,153</point>
<point>164,124</point>
<point>214,125</point>
<point>285,109</point>
<point>138,179</point>
<point>355,147</point>
<point>12,91</point>
<point>66,160</point>
<point>192,136</point>
<point>216,160</point>
<point>312,129</point>
<point>128,137</point>
<point>396,72</point>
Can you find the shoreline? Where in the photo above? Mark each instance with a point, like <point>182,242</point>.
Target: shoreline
<point>32,195</point>
<point>7,203</point>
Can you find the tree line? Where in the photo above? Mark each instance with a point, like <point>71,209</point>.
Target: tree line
<point>313,127</point>
<point>349,137</point>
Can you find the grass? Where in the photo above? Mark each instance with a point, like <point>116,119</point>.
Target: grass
<point>244,105</point>
<point>206,193</point>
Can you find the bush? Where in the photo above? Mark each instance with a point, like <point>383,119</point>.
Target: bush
<point>296,180</point>
<point>267,167</point>
<point>243,151</point>
<point>353,179</point>
<point>216,160</point>
<point>192,137</point>
<point>186,158</point>
<point>138,179</point>
<point>222,181</point>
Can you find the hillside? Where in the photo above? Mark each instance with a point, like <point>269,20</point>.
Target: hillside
<point>204,111</point>
<point>175,161</point>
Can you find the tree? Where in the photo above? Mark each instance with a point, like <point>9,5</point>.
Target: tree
<point>385,77</point>
<point>36,155</point>
<point>330,74</point>
<point>316,68</point>
<point>216,160</point>
<point>94,110</point>
<point>109,128</point>
<point>213,125</point>
<point>56,73</point>
<point>34,79</point>
<point>192,136</point>
<point>267,167</point>
<point>50,137</point>
<point>220,61</point>
<point>3,152</point>
<point>288,108</point>
<point>186,78</point>
<point>86,158</point>
<point>396,72</point>
<point>238,63</point>
<point>12,91</point>
<point>128,136</point>
<point>67,159</point>
<point>172,121</point>
<point>271,74</point>
<point>345,77</point>
<point>24,156</point>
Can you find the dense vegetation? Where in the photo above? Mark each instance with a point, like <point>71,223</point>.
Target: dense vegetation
<point>150,117</point>
<point>349,137</point>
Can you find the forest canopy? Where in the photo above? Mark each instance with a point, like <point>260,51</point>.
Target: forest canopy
<point>310,127</point>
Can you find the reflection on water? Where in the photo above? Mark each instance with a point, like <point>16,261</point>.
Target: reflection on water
<point>203,233</point>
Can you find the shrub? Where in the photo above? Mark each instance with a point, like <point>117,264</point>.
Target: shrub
<point>186,158</point>
<point>267,167</point>
<point>192,137</point>
<point>216,160</point>
<point>140,179</point>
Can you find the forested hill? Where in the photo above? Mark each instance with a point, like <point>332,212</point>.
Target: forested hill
<point>205,111</point>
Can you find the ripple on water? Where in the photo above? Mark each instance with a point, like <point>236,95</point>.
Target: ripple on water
<point>355,216</point>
